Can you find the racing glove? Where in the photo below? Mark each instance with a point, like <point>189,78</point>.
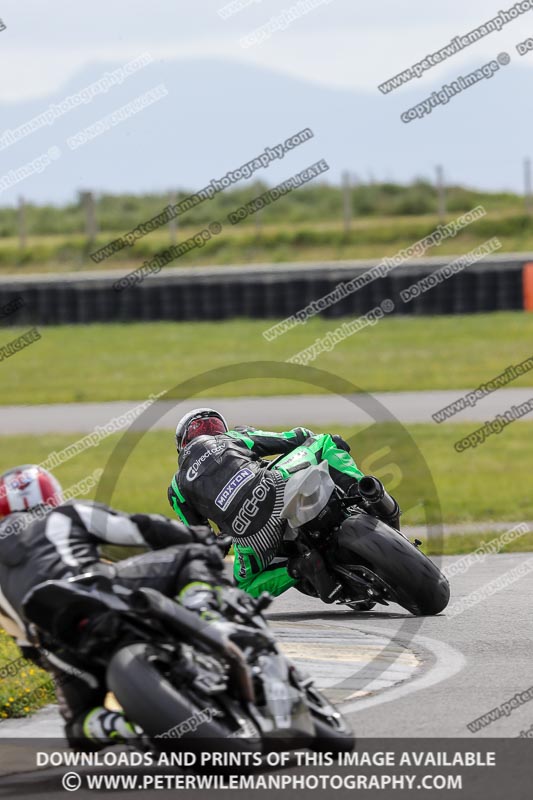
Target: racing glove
<point>215,602</point>
<point>341,443</point>
<point>159,531</point>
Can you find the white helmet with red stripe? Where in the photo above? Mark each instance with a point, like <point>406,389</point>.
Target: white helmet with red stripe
<point>27,487</point>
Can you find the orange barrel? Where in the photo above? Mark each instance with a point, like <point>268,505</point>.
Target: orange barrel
<point>527,278</point>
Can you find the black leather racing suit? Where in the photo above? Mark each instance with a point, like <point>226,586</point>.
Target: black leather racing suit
<point>66,543</point>
<point>223,478</point>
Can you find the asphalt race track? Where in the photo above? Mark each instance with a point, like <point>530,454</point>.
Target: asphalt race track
<point>469,662</point>
<point>392,675</point>
<point>395,675</point>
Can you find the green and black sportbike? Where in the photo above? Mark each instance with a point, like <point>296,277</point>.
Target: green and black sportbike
<point>374,562</point>
<point>186,682</point>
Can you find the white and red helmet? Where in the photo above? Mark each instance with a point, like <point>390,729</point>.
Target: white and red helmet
<point>27,487</point>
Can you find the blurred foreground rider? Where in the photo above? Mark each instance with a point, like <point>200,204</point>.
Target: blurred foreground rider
<point>43,539</point>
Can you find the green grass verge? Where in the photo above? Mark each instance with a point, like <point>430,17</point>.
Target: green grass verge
<point>302,225</point>
<point>312,203</point>
<point>28,689</point>
<point>471,486</point>
<point>128,362</point>
<point>278,246</point>
<point>460,545</point>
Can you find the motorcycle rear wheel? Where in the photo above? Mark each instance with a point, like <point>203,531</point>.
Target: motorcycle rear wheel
<point>418,584</point>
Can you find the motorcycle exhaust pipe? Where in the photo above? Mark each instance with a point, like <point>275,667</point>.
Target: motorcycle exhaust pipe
<point>376,496</point>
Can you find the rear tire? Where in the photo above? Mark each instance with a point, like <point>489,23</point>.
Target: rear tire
<point>419,585</point>
<point>151,701</point>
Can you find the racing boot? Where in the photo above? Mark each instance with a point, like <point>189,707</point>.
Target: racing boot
<point>311,567</point>
<point>228,611</point>
<point>203,598</point>
<point>100,728</point>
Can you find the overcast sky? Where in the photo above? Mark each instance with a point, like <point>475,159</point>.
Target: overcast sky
<point>341,43</point>
<point>481,137</point>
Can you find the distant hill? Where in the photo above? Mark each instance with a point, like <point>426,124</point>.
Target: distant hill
<point>219,114</point>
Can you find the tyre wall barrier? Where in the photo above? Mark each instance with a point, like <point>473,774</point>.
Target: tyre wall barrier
<point>275,293</point>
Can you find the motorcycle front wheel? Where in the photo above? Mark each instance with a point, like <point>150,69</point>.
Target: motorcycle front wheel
<point>136,678</point>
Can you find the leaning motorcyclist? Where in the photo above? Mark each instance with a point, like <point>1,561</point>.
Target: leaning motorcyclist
<point>41,539</point>
<point>223,478</point>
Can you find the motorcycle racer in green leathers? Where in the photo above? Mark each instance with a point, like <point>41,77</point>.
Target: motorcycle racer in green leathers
<point>223,477</point>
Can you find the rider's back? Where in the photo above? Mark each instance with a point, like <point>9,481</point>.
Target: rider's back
<point>222,480</point>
